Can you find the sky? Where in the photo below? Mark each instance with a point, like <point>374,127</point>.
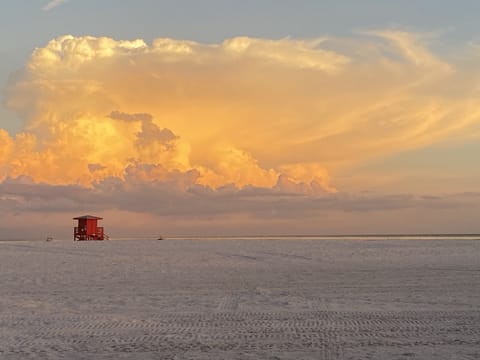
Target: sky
<point>239,117</point>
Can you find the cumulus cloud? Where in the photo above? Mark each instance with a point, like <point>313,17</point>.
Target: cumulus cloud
<point>248,117</point>
<point>180,104</point>
<point>53,4</point>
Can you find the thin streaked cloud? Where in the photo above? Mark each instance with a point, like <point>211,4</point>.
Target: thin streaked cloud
<point>53,4</point>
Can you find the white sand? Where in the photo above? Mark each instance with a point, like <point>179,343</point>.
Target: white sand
<point>240,299</point>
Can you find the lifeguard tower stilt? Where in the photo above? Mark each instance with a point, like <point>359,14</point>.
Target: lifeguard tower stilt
<point>87,229</point>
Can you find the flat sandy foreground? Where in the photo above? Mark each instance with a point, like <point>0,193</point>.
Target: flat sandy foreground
<point>240,299</point>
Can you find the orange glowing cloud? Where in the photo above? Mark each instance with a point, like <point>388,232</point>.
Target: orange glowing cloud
<point>280,114</point>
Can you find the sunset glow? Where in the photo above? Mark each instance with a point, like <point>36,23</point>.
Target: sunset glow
<point>297,119</point>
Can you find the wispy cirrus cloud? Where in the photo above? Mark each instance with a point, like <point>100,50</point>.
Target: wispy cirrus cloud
<point>53,4</point>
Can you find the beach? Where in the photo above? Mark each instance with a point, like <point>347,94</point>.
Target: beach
<point>285,298</point>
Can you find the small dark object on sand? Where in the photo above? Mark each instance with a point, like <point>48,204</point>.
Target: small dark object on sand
<point>160,238</point>
<point>49,238</point>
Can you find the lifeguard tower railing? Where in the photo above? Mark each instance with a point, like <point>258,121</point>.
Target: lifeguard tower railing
<point>80,234</point>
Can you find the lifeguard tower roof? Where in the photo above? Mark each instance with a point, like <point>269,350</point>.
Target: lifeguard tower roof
<point>88,217</point>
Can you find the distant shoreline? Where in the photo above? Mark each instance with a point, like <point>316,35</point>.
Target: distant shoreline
<point>276,237</point>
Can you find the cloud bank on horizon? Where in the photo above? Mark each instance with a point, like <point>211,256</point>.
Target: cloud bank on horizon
<point>274,117</point>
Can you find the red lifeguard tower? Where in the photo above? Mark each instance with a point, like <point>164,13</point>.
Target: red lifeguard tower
<point>87,229</point>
